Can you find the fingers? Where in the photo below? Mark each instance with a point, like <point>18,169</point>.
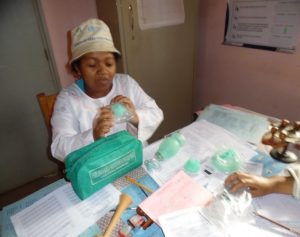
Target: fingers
<point>238,180</point>
<point>129,105</point>
<point>103,123</point>
<point>124,100</point>
<point>120,99</point>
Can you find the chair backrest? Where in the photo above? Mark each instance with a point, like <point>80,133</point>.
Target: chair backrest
<point>46,103</point>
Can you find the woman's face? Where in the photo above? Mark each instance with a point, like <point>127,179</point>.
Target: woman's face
<point>97,70</point>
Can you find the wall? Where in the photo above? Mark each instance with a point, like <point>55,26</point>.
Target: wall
<point>24,72</point>
<point>61,17</point>
<point>264,81</point>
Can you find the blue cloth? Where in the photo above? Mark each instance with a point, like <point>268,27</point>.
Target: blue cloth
<point>271,167</point>
<point>80,84</point>
<point>138,196</point>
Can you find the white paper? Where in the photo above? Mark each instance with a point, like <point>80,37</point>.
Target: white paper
<point>273,23</point>
<point>284,209</point>
<point>158,13</point>
<point>62,214</point>
<point>187,223</point>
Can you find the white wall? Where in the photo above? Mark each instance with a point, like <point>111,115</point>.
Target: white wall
<point>61,16</point>
<point>264,81</point>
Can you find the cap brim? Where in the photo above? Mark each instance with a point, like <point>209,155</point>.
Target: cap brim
<point>89,48</point>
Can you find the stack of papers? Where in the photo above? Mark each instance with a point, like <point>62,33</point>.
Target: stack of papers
<point>178,193</point>
<point>62,214</point>
<point>249,126</point>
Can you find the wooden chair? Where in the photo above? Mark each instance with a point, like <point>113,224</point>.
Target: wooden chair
<point>46,103</point>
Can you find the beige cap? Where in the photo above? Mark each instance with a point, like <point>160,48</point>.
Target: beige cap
<point>92,35</point>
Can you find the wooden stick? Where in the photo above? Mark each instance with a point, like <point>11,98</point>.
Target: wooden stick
<point>125,201</point>
<point>279,224</point>
<point>139,184</point>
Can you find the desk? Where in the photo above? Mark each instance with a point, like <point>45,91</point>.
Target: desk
<point>195,146</point>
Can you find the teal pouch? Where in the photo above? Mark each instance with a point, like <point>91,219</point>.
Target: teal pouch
<point>101,162</point>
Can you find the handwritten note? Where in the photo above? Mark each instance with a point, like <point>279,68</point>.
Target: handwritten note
<point>179,192</point>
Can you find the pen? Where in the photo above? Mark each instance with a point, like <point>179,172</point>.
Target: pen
<point>142,186</point>
<point>129,208</point>
<point>277,223</point>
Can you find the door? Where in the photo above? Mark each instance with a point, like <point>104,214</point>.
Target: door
<point>24,71</point>
<point>162,60</point>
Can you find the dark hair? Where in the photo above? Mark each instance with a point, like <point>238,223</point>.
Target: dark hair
<point>75,64</point>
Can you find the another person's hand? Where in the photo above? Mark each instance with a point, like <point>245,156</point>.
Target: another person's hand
<point>258,185</point>
<point>103,122</point>
<point>129,105</point>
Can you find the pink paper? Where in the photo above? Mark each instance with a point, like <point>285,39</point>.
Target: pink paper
<point>179,192</point>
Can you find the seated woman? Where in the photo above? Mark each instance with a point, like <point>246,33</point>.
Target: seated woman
<point>82,112</point>
<point>260,186</point>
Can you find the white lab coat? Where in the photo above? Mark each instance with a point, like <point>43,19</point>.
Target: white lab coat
<point>294,171</point>
<point>74,112</point>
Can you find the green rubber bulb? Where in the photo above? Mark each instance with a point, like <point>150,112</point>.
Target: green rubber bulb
<point>179,137</point>
<point>192,166</point>
<point>168,148</point>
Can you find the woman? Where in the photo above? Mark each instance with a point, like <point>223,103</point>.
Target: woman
<point>82,112</point>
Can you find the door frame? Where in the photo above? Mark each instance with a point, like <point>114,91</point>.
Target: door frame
<point>39,14</point>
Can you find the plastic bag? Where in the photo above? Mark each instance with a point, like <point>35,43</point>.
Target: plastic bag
<point>228,209</point>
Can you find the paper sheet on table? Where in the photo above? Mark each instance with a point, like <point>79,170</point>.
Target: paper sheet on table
<point>7,229</point>
<point>62,214</point>
<point>284,209</point>
<point>259,228</point>
<point>186,223</point>
<point>203,139</point>
<point>178,193</point>
<point>246,125</point>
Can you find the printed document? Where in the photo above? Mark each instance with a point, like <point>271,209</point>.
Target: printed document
<point>62,214</point>
<point>180,192</point>
<point>186,223</point>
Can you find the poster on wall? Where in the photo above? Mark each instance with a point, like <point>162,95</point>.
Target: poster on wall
<point>266,24</point>
<point>159,13</point>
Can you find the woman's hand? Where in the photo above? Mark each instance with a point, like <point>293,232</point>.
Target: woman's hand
<point>103,122</point>
<point>129,105</point>
<point>258,185</point>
